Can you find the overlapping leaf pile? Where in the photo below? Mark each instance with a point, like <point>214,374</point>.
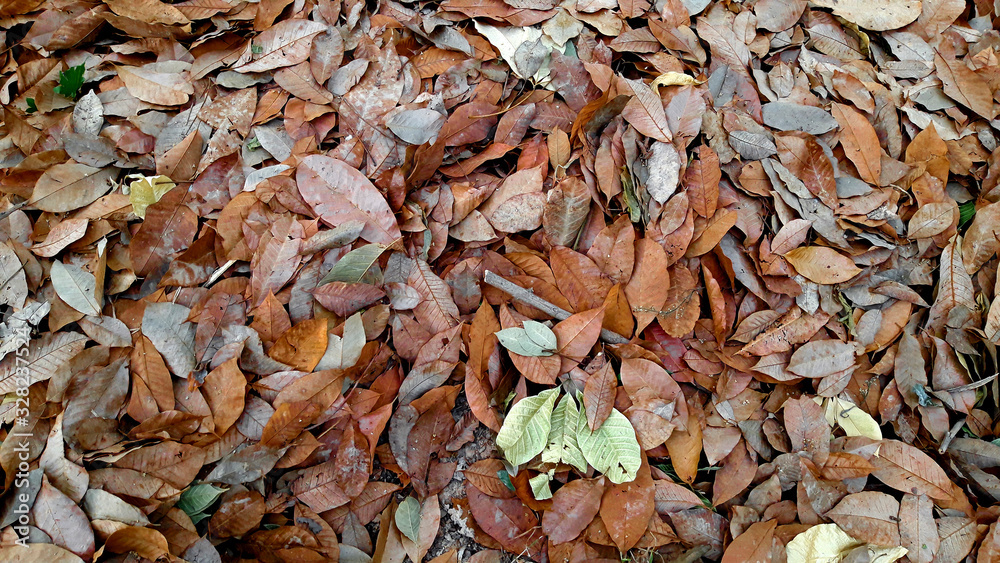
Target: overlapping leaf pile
<point>243,248</point>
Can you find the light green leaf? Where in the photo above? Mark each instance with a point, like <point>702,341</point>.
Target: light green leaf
<point>824,543</point>
<point>353,266</point>
<point>408,518</point>
<point>195,500</point>
<point>526,428</point>
<point>535,339</point>
<point>147,190</point>
<point>562,445</point>
<point>848,416</point>
<point>75,286</point>
<point>540,486</point>
<point>540,334</point>
<point>613,449</point>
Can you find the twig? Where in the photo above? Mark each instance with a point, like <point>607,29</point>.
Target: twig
<point>955,429</point>
<point>528,297</point>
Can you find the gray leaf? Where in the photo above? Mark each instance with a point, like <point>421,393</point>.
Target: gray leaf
<point>14,286</point>
<point>415,126</point>
<point>166,326</point>
<point>752,146</point>
<point>108,331</point>
<point>786,116</point>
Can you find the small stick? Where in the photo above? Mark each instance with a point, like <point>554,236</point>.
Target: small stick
<point>955,429</point>
<point>528,297</point>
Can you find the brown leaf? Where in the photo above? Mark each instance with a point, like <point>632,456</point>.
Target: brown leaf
<point>58,516</point>
<point>917,530</point>
<point>574,506</point>
<point>982,238</point>
<point>437,311</point>
<point>176,464</point>
<point>683,306</point>
<point>566,210</point>
<point>69,186</point>
<point>579,279</point>
<point>576,335</point>
<point>823,358</point>
<point>905,468</point>
<point>629,506</point>
<point>821,264</point>
<point>932,219</point>
<point>869,516</point>
<point>702,182</point>
<point>506,520</point>
<point>165,84</point>
<point>965,86</point>
<point>954,287</point>
<point>753,545</point>
<point>145,542</point>
<point>303,345</point>
<point>224,389</point>
<point>338,193</point>
<point>736,474</point>
<point>649,286</point>
<point>599,396</point>
<point>645,112</point>
<point>860,142</point>
<point>481,345</point>
<point>807,428</point>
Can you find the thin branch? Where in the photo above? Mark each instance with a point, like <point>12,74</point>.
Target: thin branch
<point>528,297</point>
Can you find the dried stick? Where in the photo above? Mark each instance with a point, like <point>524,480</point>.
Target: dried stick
<point>528,297</point>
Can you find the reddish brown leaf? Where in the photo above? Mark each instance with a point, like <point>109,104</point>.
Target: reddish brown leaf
<point>574,505</point>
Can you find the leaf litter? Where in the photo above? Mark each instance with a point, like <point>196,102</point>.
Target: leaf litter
<point>336,281</point>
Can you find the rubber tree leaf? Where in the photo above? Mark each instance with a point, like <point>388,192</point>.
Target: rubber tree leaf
<point>852,419</point>
<point>535,339</point>
<point>612,449</point>
<point>540,486</point>
<point>540,334</point>
<point>353,266</point>
<point>75,286</point>
<point>525,431</point>
<point>195,500</point>
<point>408,518</point>
<point>562,445</point>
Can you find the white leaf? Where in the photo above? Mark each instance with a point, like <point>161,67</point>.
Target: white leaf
<point>88,115</point>
<point>75,287</point>
<point>664,166</point>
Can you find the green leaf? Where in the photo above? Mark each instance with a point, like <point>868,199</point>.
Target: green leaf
<point>613,449</point>
<point>196,499</point>
<point>32,108</point>
<point>408,518</point>
<point>562,445</point>
<point>353,266</point>
<point>70,81</point>
<point>535,339</point>
<point>966,212</point>
<point>540,334</point>
<point>540,486</point>
<point>526,428</point>
<point>505,479</point>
